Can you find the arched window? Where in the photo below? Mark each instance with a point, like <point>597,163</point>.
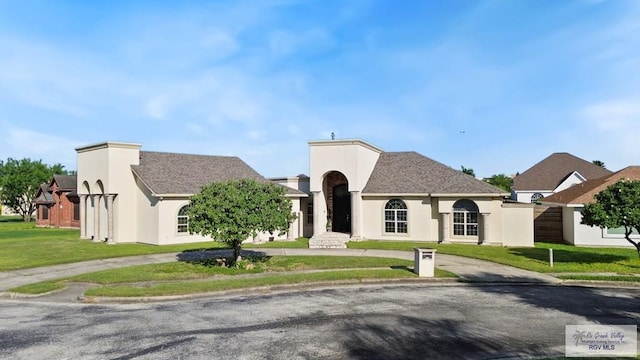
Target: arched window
<point>183,219</point>
<point>395,217</point>
<point>465,218</point>
<point>536,197</point>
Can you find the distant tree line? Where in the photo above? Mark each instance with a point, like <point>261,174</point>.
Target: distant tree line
<point>20,180</point>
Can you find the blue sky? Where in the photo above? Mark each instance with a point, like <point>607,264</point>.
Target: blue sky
<point>492,85</point>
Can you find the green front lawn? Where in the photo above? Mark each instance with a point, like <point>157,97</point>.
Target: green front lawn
<point>194,273</point>
<point>183,270</point>
<point>194,286</point>
<point>566,258</point>
<point>25,246</point>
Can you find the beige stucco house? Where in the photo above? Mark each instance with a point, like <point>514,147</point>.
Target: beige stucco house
<point>355,191</point>
<point>128,195</point>
<point>363,192</point>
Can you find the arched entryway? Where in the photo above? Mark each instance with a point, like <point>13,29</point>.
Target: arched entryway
<point>336,189</point>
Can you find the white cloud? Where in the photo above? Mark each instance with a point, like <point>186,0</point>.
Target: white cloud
<point>615,115</point>
<point>23,143</point>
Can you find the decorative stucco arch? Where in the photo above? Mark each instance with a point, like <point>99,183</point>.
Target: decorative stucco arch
<point>335,188</point>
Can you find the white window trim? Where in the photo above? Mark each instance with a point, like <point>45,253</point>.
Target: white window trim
<point>395,221</point>
<point>178,217</point>
<point>465,223</point>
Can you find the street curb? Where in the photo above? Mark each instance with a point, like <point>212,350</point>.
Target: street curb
<point>598,283</point>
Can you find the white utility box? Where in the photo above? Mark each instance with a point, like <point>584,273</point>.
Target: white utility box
<point>424,262</point>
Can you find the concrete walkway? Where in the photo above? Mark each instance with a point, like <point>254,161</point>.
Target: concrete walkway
<point>468,269</point>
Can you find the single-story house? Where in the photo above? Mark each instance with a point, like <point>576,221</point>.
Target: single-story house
<point>553,174</point>
<point>57,203</point>
<point>366,193</point>
<point>572,201</point>
<point>355,191</point>
<point>128,195</point>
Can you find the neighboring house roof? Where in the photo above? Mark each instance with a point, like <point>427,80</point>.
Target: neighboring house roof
<point>413,173</point>
<point>44,195</point>
<point>584,193</point>
<point>549,173</point>
<point>65,182</point>
<point>171,173</point>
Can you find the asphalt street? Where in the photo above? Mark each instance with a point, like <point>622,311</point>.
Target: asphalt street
<point>421,321</point>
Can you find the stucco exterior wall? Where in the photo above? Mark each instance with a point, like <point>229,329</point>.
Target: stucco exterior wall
<point>419,219</point>
<point>158,221</point>
<point>353,158</point>
<point>168,226</point>
<point>491,220</point>
<point>146,216</point>
<point>568,234</point>
<point>584,235</point>
<point>106,169</point>
<point>517,225</point>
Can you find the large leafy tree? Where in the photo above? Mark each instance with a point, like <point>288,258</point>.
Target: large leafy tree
<point>500,180</point>
<point>19,183</point>
<point>235,210</point>
<point>617,206</point>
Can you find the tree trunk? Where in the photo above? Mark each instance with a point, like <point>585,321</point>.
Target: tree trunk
<point>636,244</point>
<point>237,246</point>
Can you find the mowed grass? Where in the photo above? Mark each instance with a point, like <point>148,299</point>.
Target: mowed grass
<point>566,258</point>
<point>197,275</point>
<point>25,246</point>
<point>203,269</point>
<point>193,287</point>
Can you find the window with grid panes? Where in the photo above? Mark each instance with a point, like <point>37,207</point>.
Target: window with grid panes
<point>395,217</point>
<point>183,219</point>
<point>465,218</point>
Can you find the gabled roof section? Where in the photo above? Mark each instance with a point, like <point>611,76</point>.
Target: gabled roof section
<point>44,195</point>
<point>584,193</point>
<point>413,173</point>
<point>185,174</point>
<point>65,182</point>
<point>553,170</point>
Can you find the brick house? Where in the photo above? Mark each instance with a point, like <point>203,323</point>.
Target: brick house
<point>58,204</point>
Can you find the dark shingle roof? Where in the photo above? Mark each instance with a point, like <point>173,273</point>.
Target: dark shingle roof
<point>413,173</point>
<point>65,182</point>
<point>170,173</point>
<point>44,196</point>
<point>584,193</point>
<point>553,170</point>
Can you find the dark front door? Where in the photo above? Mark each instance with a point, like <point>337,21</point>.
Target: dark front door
<point>341,209</point>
